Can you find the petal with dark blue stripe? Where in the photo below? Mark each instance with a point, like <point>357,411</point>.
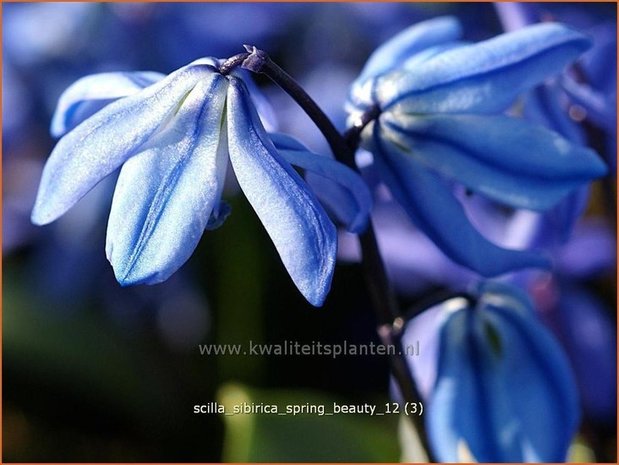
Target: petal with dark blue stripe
<point>507,159</point>
<point>484,77</point>
<point>431,205</point>
<point>165,195</point>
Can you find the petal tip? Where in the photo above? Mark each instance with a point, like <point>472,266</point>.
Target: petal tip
<point>317,297</point>
<point>128,278</point>
<point>42,216</point>
<point>359,225</point>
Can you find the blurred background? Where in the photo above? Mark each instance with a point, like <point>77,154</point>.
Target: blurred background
<point>95,372</point>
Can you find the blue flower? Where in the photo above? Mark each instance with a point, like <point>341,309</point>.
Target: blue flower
<point>439,101</point>
<point>501,389</point>
<point>174,137</point>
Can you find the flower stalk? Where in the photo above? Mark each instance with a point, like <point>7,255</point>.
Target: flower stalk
<point>384,302</point>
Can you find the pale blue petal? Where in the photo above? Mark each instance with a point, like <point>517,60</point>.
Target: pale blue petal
<point>395,51</point>
<point>425,329</point>
<point>349,207</point>
<point>303,235</point>
<point>485,77</point>
<point>265,109</point>
<point>106,140</point>
<point>507,159</point>
<point>410,41</point>
<point>338,187</point>
<point>420,58</point>
<point>165,195</point>
<point>90,94</point>
<point>285,142</point>
<point>498,369</point>
<point>433,208</point>
<point>208,61</point>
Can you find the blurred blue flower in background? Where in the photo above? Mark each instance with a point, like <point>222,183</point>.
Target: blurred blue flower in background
<point>497,384</point>
<point>584,93</point>
<point>564,303</point>
<point>174,139</point>
<point>436,98</point>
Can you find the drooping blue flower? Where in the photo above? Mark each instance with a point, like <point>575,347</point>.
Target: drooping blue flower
<point>174,137</point>
<point>439,123</point>
<point>499,388</point>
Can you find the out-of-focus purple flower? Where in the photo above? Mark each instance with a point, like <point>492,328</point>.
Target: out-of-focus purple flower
<point>576,316</point>
<point>585,92</point>
<point>582,324</point>
<point>436,99</point>
<point>498,387</point>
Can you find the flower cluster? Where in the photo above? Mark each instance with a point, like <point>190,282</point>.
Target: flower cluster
<point>442,120</point>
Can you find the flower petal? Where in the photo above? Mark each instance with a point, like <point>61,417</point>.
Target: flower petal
<point>547,105</point>
<point>90,94</point>
<point>106,140</point>
<point>485,77</point>
<point>265,110</point>
<point>506,159</point>
<point>410,41</point>
<point>337,186</point>
<point>165,195</point>
<point>302,233</point>
<point>498,369</point>
<point>433,208</point>
<point>407,43</point>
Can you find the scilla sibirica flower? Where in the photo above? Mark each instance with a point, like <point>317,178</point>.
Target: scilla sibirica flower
<point>498,386</point>
<point>174,137</point>
<point>439,103</point>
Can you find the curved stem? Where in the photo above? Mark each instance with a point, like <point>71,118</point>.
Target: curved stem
<point>260,62</point>
<point>383,298</point>
<point>232,62</point>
